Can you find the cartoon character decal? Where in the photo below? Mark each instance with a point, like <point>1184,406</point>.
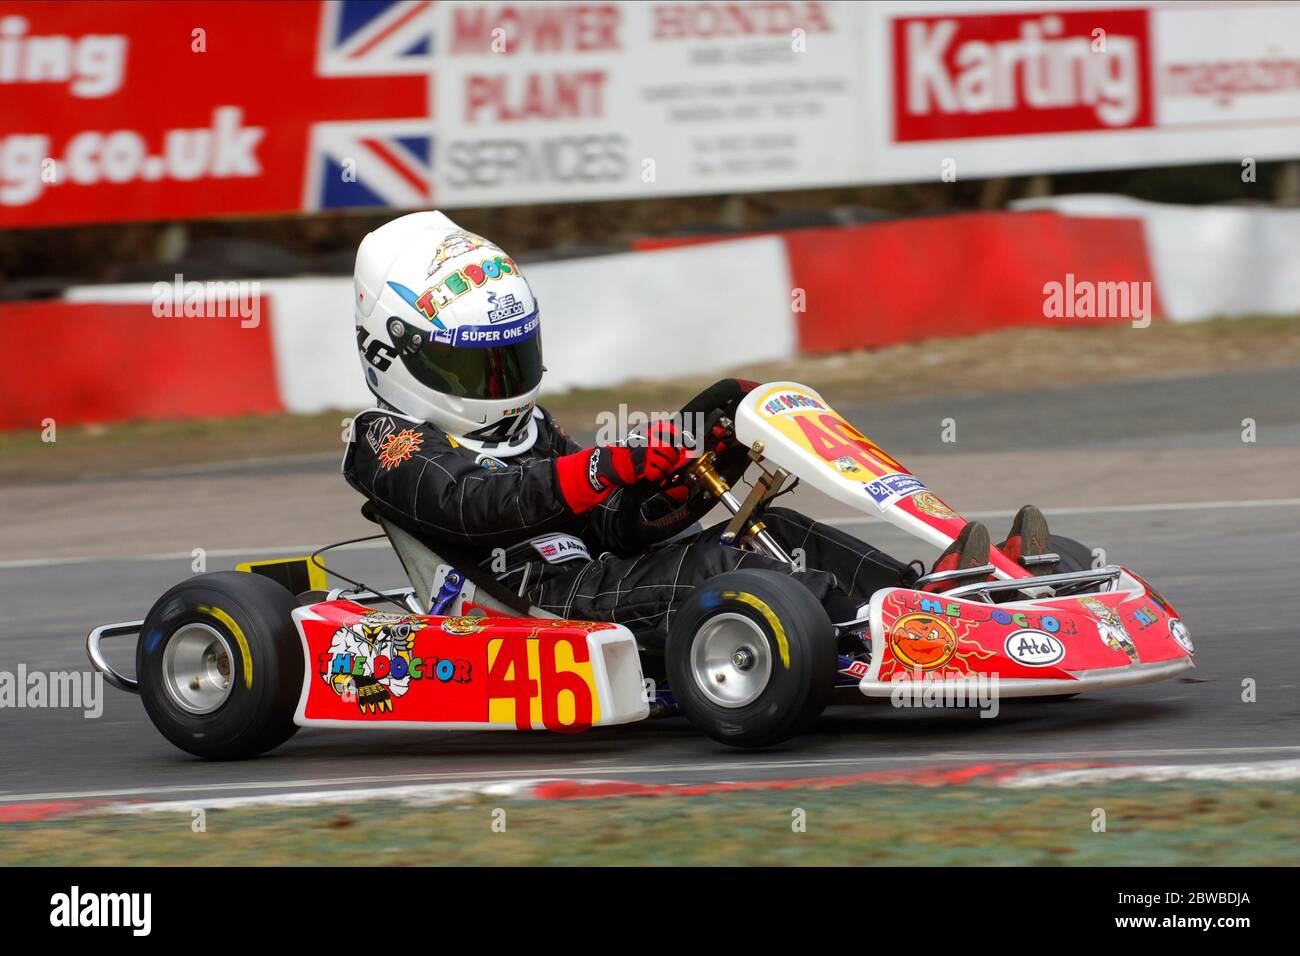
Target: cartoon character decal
<point>456,244</point>
<point>1178,631</point>
<point>1110,628</point>
<point>370,661</point>
<point>922,641</point>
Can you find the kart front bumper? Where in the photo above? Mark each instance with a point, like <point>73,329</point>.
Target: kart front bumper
<point>1101,679</point>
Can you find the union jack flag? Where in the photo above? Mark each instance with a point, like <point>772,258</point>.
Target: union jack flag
<point>369,37</point>
<point>385,162</point>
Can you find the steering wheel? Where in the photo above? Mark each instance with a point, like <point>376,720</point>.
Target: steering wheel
<point>717,440</point>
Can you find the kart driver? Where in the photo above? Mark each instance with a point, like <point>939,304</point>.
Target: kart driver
<point>458,453</point>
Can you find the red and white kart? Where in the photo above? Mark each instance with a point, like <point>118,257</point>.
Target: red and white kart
<point>230,664</point>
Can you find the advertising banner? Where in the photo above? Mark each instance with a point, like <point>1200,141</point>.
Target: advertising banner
<point>557,101</point>
<point>142,110</point>
<point>963,90</point>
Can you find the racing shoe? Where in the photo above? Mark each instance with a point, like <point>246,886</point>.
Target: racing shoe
<point>969,550</point>
<point>1029,543</point>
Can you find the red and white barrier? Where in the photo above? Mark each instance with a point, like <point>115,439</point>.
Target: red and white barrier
<point>1209,261</point>
<point>673,307</point>
<point>936,277</point>
<point>608,319</point>
<point>77,362</point>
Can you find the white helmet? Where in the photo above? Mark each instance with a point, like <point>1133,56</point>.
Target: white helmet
<point>448,331</point>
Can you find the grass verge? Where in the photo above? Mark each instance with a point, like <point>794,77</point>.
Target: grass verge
<point>1177,824</point>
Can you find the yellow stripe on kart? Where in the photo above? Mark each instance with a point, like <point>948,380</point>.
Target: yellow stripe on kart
<point>772,621</point>
<point>238,632</point>
<point>316,577</point>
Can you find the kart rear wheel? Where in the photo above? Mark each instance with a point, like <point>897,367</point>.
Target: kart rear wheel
<point>751,658</point>
<point>220,666</point>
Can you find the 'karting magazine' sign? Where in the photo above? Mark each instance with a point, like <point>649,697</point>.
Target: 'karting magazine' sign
<point>987,89</point>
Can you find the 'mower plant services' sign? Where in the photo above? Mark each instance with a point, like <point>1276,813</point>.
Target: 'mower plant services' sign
<point>631,99</point>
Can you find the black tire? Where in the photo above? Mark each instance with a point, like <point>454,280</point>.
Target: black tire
<point>257,714</point>
<point>1074,556</point>
<point>794,694</point>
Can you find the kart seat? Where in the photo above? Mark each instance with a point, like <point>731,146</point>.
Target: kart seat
<point>427,564</point>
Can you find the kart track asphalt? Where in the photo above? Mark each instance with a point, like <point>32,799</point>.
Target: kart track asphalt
<point>1153,471</point>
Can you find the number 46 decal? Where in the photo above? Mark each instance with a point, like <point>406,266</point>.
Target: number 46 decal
<point>832,437</point>
<point>532,681</point>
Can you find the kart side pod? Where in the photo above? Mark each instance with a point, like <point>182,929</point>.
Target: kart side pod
<point>229,665</point>
<point>376,669</point>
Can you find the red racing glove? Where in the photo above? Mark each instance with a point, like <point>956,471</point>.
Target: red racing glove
<point>590,476</point>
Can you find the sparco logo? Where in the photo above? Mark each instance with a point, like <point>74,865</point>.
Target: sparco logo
<point>1020,73</point>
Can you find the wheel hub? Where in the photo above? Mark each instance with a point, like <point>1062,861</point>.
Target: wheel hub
<point>197,668</point>
<point>731,660</point>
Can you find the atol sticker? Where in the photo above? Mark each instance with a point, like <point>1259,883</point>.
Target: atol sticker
<point>558,548</point>
<point>889,489</point>
<point>1034,648</point>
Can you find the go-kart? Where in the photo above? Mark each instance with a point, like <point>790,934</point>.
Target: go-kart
<point>230,664</point>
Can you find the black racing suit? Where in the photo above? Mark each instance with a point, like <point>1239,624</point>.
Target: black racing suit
<point>612,563</point>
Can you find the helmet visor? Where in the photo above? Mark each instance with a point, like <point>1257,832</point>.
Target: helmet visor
<point>480,361</point>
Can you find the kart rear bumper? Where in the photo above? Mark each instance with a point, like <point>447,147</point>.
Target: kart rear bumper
<point>1101,679</point>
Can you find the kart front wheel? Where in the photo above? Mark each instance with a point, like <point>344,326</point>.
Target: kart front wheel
<point>751,658</point>
<point>220,666</point>
<point>1074,556</point>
